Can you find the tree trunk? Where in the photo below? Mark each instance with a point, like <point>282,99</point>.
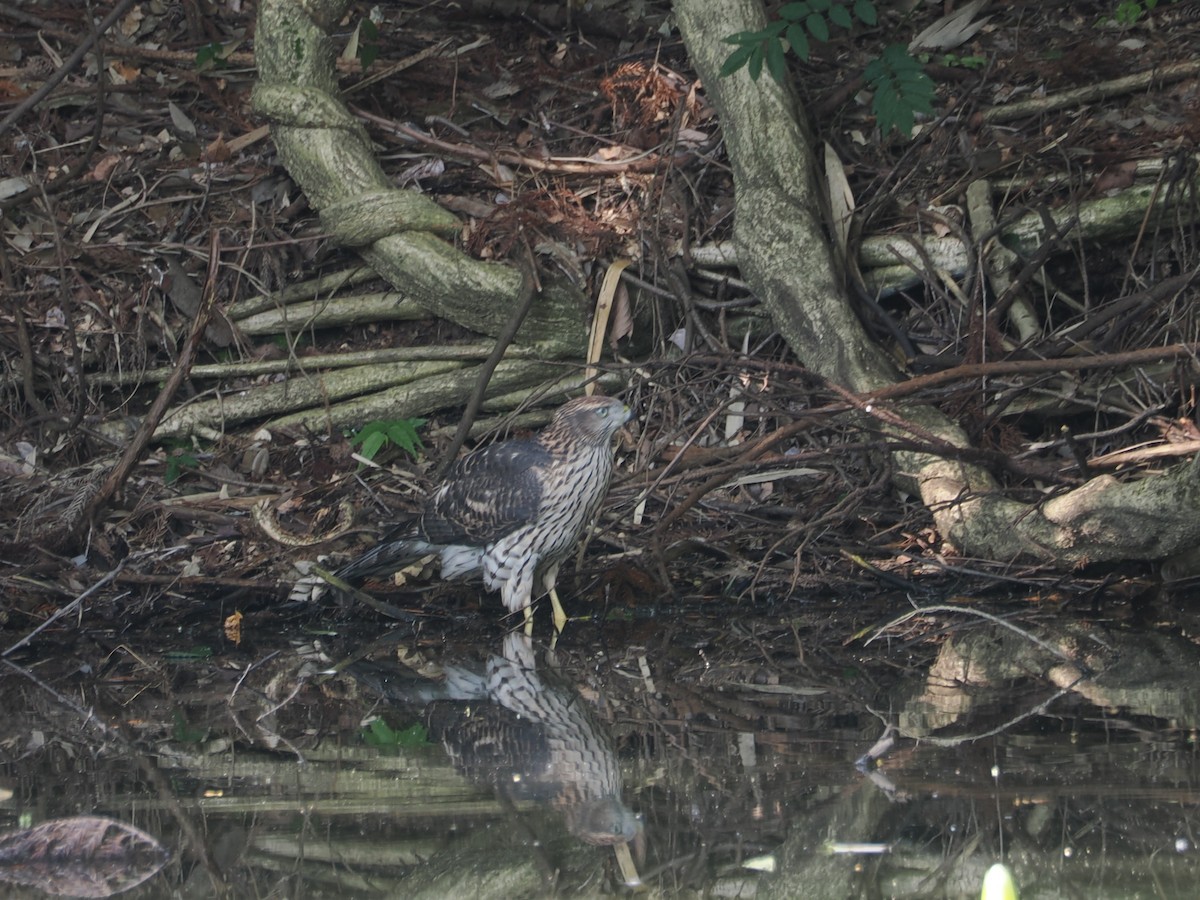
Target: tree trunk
<point>783,250</point>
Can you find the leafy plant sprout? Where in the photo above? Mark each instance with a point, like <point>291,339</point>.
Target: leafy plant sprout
<point>375,436</point>
<point>900,87</point>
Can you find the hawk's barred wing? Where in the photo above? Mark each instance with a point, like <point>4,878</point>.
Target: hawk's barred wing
<point>487,495</point>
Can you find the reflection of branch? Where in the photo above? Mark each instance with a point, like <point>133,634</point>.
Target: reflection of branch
<point>1084,671</point>
<point>151,771</point>
<point>1087,673</point>
<point>971,738</point>
<point>263,734</point>
<point>68,609</point>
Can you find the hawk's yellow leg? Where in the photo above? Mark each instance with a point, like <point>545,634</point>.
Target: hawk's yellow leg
<point>560,617</point>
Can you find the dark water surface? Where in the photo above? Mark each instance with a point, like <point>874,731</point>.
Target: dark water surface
<point>718,753</point>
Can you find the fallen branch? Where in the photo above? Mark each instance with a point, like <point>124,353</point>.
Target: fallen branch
<point>312,392</point>
<point>891,262</point>
<point>307,365</point>
<point>449,389</point>
<point>362,309</point>
<point>1088,93</point>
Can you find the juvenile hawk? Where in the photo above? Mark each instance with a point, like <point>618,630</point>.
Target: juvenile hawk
<point>525,732</point>
<point>512,511</point>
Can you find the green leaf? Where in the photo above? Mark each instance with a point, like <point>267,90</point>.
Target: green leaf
<point>374,436</point>
<point>177,461</point>
<point>365,432</point>
<point>971,62</point>
<point>184,733</point>
<point>290,345</point>
<point>840,16</point>
<point>190,655</point>
<point>775,63</point>
<point>1128,12</point>
<point>864,10</point>
<point>800,22</point>
<point>413,736</point>
<point>756,63</point>
<point>379,734</point>
<point>207,56</point>
<point>901,88</point>
<point>368,47</point>
<point>403,433</point>
<point>383,737</point>
<point>373,444</point>
<point>817,27</point>
<point>736,60</point>
<point>799,41</point>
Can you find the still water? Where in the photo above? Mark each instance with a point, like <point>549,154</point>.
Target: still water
<point>698,755</point>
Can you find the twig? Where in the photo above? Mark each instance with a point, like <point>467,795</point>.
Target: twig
<point>720,474</point>
<point>66,68</point>
<point>67,304</point>
<point>66,610</point>
<point>137,446</point>
<point>647,161</point>
<point>1030,367</point>
<point>529,287</point>
<point>1126,85</point>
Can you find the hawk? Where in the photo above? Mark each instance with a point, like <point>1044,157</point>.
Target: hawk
<point>526,733</point>
<point>512,511</point>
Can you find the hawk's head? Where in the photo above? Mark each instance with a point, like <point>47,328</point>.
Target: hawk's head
<point>593,420</point>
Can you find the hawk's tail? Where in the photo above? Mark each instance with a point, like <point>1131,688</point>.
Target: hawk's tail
<point>386,558</point>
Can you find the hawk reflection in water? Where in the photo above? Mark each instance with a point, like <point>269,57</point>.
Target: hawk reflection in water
<point>512,511</point>
<point>528,736</point>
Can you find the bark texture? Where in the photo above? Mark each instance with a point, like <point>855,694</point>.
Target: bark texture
<point>783,250</point>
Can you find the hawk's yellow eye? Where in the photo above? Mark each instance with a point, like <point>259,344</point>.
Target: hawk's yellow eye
<point>603,412</point>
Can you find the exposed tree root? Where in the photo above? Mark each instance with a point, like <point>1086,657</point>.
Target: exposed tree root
<point>401,234</point>
<point>783,250</point>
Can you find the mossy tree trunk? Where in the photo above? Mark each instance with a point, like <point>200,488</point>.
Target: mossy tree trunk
<point>783,250</point>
